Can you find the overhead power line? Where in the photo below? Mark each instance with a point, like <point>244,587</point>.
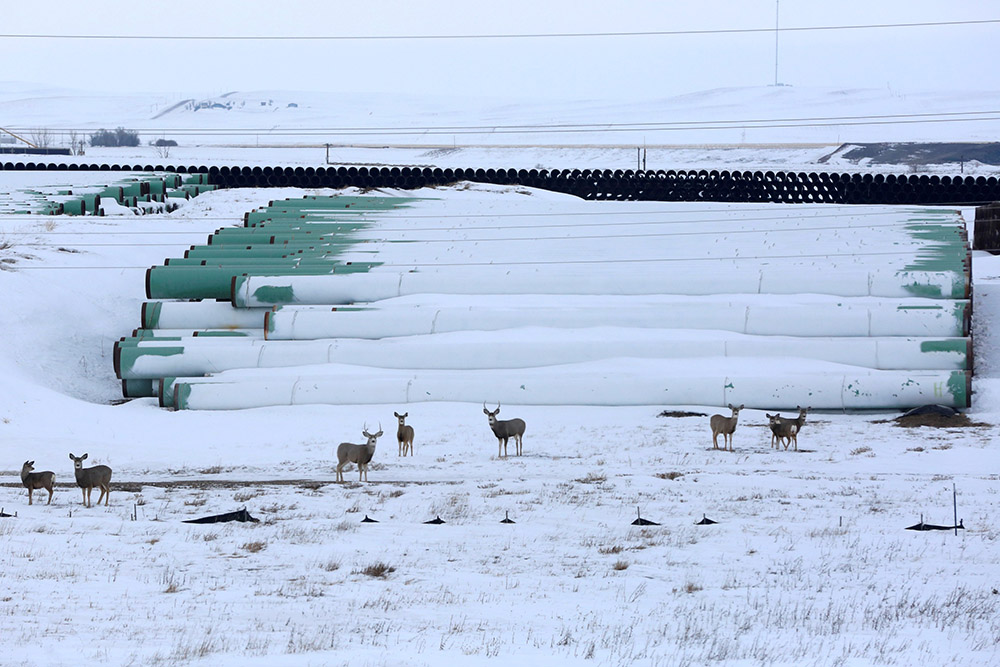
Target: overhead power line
<point>539,35</point>
<point>565,128</point>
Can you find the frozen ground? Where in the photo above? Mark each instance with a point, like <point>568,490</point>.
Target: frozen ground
<point>766,127</point>
<point>809,563</point>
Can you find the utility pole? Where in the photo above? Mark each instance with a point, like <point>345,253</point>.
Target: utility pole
<point>18,138</point>
<point>776,42</point>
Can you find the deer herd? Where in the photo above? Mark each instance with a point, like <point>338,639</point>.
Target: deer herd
<point>784,432</point>
<point>87,479</point>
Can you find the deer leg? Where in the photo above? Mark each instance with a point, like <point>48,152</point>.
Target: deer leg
<point>29,495</point>
<point>50,497</point>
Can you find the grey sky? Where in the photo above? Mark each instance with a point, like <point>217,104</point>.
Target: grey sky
<point>621,68</point>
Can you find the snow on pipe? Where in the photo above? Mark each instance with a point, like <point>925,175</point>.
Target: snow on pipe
<point>839,318</point>
<point>621,382</point>
<point>257,291</point>
<point>198,315</point>
<point>528,348</point>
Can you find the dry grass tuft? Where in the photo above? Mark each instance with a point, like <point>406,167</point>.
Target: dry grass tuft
<point>592,478</point>
<point>254,547</point>
<point>378,570</point>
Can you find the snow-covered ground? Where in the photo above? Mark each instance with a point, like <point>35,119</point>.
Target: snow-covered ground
<point>792,128</point>
<point>809,562</point>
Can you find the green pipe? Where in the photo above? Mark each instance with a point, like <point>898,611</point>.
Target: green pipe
<point>299,225</point>
<point>257,219</point>
<point>205,282</point>
<point>139,388</point>
<point>344,202</point>
<point>244,236</point>
<point>252,261</point>
<point>259,250</point>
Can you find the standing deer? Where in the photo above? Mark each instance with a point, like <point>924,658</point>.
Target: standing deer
<point>37,480</point>
<point>88,478</point>
<point>781,429</point>
<point>792,426</point>
<point>404,434</point>
<point>725,426</point>
<point>505,429</point>
<point>359,454</point>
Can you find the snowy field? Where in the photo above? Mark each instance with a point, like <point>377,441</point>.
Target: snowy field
<point>764,127</point>
<point>809,563</point>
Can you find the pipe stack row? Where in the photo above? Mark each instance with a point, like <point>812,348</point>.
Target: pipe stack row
<point>553,300</point>
<point>142,192</point>
<point>601,184</point>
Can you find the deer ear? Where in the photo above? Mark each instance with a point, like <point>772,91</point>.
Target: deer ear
<point>395,413</point>
<point>71,456</point>
<point>83,457</point>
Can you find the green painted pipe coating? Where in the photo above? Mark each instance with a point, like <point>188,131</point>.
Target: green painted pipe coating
<point>208,282</point>
<point>139,388</point>
<point>264,250</point>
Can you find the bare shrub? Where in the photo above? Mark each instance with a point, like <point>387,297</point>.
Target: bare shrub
<point>41,137</point>
<point>254,547</point>
<point>378,570</point>
<point>620,565</point>
<point>249,494</point>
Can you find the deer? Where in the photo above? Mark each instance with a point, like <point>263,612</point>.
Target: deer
<point>88,478</point>
<point>504,430</point>
<point>360,454</point>
<point>37,480</point>
<point>791,427</point>
<point>404,434</point>
<point>781,429</point>
<point>725,426</point>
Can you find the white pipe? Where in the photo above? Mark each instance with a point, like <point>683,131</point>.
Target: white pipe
<point>610,382</point>
<point>842,317</point>
<point>531,347</point>
<point>257,291</point>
